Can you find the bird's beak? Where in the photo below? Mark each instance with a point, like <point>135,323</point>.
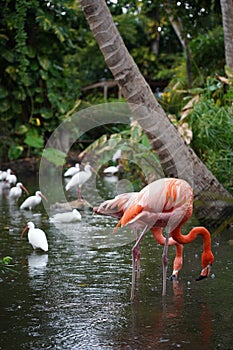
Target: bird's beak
<point>43,196</point>
<point>24,230</point>
<point>25,190</point>
<point>204,273</point>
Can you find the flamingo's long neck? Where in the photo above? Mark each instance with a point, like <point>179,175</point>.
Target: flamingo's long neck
<point>207,255</point>
<point>185,239</point>
<point>158,236</point>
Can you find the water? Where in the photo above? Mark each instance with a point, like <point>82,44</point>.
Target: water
<point>76,296</point>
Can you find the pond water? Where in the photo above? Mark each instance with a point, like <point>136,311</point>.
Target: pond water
<point>77,296</point>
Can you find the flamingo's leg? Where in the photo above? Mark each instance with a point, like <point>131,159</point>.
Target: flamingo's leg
<point>164,261</point>
<point>136,260</point>
<point>178,261</point>
<point>137,255</point>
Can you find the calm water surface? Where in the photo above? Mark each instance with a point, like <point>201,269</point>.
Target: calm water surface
<point>76,296</point>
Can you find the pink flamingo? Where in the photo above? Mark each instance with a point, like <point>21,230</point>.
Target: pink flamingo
<point>165,203</point>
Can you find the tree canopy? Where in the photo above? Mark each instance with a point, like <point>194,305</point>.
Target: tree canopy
<point>48,55</point>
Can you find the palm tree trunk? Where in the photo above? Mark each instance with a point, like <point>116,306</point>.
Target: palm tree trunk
<point>177,159</point>
<point>227,18</point>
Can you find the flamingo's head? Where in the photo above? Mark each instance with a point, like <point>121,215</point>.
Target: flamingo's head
<point>207,262</point>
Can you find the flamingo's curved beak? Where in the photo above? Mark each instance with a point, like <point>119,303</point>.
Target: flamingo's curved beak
<point>204,273</point>
<point>43,196</point>
<point>24,230</point>
<point>25,190</point>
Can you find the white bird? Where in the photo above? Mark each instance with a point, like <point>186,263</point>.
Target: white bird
<point>71,216</point>
<point>16,192</point>
<point>111,170</point>
<point>3,175</point>
<point>36,237</point>
<point>32,201</point>
<point>72,171</point>
<point>10,178</point>
<point>117,155</point>
<point>79,179</point>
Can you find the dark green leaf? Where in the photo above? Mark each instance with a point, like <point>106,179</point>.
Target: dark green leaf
<point>54,156</point>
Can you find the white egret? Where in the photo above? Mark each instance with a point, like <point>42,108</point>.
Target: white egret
<point>111,170</point>
<point>72,171</point>
<point>71,216</point>
<point>79,179</point>
<point>33,201</point>
<point>36,237</point>
<point>3,175</point>
<point>16,192</point>
<point>116,155</point>
<point>11,178</point>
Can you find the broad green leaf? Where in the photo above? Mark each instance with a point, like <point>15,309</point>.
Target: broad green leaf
<point>54,156</point>
<point>43,74</point>
<point>15,151</point>
<point>145,141</point>
<point>7,259</point>
<point>21,129</point>
<point>44,62</point>
<point>34,140</point>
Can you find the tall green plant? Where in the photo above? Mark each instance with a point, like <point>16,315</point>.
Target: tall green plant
<point>38,81</point>
<point>211,121</point>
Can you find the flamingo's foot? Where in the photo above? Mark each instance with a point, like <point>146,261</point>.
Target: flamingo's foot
<point>173,277</point>
<point>199,278</point>
<point>204,273</point>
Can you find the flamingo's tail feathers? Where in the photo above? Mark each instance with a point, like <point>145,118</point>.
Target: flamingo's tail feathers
<point>131,213</point>
<point>116,227</point>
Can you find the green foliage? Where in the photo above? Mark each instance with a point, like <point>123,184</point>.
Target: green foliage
<point>48,54</point>
<point>208,55</point>
<point>5,264</point>
<point>33,139</point>
<point>54,156</point>
<point>129,28</point>
<point>207,52</point>
<point>38,82</point>
<point>15,151</point>
<point>136,149</point>
<point>211,120</point>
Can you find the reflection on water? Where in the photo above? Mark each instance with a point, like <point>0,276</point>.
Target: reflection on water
<point>95,232</point>
<point>37,263</point>
<point>76,296</point>
<point>169,324</point>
